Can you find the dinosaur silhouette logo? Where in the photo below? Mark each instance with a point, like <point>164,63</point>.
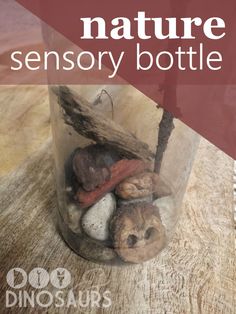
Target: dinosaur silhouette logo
<point>17,278</point>
<point>60,278</point>
<point>38,278</point>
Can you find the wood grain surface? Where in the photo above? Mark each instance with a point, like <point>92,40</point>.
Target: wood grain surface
<point>194,274</point>
<point>24,124</point>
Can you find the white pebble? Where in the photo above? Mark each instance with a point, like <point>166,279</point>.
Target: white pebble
<point>95,222</point>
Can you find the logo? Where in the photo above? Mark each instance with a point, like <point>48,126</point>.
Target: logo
<point>40,288</point>
<point>60,278</point>
<point>17,278</point>
<point>38,278</point>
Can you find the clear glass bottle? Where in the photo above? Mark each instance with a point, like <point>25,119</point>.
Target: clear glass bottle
<point>122,166</point>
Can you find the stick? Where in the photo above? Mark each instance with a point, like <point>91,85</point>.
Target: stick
<point>170,93</point>
<point>165,128</point>
<point>95,126</point>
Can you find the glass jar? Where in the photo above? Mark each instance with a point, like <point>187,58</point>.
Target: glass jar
<point>122,166</point>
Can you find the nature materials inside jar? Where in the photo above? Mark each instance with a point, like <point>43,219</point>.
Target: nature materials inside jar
<point>116,201</point>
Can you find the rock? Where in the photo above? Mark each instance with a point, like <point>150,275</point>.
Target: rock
<point>73,217</point>
<point>141,185</point>
<point>95,251</point>
<point>137,232</point>
<point>119,171</point>
<point>137,186</point>
<point>71,183</point>
<point>92,164</point>
<point>168,212</point>
<point>96,220</point>
<point>147,199</point>
<point>87,247</point>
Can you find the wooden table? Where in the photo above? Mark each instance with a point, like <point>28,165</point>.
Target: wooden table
<point>194,274</point>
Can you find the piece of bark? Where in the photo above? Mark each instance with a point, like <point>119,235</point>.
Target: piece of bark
<point>95,126</point>
<point>137,232</point>
<point>119,171</point>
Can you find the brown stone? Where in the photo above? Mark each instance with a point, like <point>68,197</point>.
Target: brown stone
<point>137,232</point>
<point>142,185</point>
<point>119,171</point>
<point>92,164</point>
